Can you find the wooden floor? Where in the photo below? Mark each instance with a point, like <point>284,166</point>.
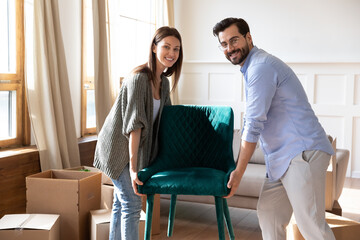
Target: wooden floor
<point>350,199</point>
<point>194,221</point>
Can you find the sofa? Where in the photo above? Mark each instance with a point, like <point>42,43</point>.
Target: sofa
<point>248,191</point>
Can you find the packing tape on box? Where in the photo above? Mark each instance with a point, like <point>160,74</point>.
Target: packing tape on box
<point>18,229</point>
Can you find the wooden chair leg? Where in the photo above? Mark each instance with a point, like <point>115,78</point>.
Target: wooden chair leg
<point>220,217</point>
<point>149,211</point>
<point>228,220</point>
<point>171,215</point>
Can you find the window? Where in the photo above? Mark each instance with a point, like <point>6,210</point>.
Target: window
<point>14,124</point>
<point>88,117</point>
<point>130,31</point>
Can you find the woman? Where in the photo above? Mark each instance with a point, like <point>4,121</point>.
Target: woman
<point>127,141</point>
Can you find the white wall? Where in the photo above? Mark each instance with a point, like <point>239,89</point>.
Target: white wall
<point>319,39</point>
<point>295,31</point>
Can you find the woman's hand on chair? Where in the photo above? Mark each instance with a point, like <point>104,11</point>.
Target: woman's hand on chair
<point>135,182</point>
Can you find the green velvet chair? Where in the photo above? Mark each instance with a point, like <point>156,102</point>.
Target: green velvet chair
<point>195,158</point>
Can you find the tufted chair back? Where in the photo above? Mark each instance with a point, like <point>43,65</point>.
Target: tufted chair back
<point>196,136</point>
<point>195,157</point>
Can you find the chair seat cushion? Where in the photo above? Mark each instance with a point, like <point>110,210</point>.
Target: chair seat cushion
<point>188,181</point>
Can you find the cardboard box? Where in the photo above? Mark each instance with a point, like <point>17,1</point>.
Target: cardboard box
<point>336,209</point>
<point>107,196</point>
<point>30,226</point>
<point>71,194</point>
<point>155,223</point>
<point>104,179</point>
<point>330,182</point>
<point>343,228</point>
<point>100,224</point>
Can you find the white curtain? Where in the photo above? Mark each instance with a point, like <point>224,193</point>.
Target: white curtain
<point>104,96</point>
<point>47,87</point>
<point>164,13</point>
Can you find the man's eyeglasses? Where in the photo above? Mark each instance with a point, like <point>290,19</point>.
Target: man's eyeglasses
<point>232,42</point>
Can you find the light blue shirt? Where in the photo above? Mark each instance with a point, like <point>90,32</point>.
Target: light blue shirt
<point>278,113</point>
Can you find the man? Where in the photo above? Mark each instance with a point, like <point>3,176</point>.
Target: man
<point>297,150</point>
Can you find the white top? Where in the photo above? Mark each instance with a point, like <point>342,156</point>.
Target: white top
<point>156,108</point>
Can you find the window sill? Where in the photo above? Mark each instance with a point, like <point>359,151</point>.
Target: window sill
<point>9,152</point>
<point>88,138</point>
<point>16,151</point>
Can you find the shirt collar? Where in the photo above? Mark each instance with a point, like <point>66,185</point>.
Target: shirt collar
<point>247,60</point>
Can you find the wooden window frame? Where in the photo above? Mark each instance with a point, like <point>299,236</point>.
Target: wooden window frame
<point>16,82</point>
<point>87,83</point>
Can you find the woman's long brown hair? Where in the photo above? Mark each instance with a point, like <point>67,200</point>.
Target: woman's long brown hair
<point>150,67</point>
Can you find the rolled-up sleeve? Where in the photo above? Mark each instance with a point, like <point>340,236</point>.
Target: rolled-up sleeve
<point>260,90</point>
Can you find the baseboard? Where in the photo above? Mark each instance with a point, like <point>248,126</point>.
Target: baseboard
<point>355,174</point>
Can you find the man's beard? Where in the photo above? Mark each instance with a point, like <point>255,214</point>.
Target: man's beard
<point>244,53</point>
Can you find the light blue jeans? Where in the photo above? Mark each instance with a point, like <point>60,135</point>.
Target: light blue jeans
<point>125,215</point>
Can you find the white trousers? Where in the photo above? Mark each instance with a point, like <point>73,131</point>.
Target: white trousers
<point>301,190</point>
